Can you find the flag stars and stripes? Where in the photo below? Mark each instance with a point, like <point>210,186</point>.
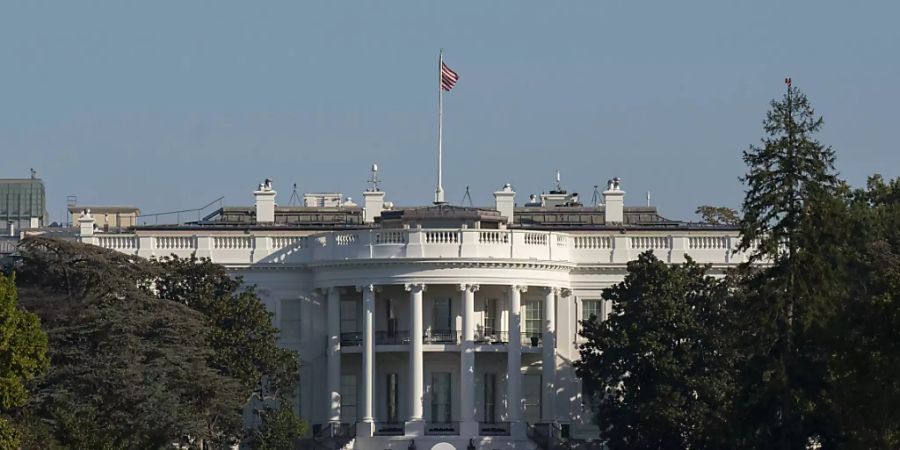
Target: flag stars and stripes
<point>448,77</point>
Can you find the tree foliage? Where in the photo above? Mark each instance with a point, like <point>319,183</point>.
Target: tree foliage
<point>660,362</point>
<point>131,368</point>
<point>718,215</point>
<point>23,357</point>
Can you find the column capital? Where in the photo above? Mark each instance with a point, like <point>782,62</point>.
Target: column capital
<point>519,287</point>
<point>469,287</point>
<point>415,287</point>
<point>327,290</point>
<point>367,288</point>
<point>565,292</point>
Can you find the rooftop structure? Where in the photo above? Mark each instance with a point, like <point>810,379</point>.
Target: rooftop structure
<point>23,202</point>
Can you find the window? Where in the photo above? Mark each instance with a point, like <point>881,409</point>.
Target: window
<point>348,317</point>
<point>290,319</point>
<point>393,398</point>
<point>591,308</point>
<point>490,317</point>
<point>532,392</point>
<point>490,398</point>
<point>534,317</point>
<point>391,319</point>
<point>441,318</point>
<point>440,397</point>
<point>348,398</point>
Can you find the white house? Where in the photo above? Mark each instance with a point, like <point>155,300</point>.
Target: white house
<point>419,326</point>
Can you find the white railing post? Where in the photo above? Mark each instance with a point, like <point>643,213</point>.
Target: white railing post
<point>621,252</point>
<point>678,249</point>
<point>204,247</point>
<point>468,243</point>
<point>415,248</point>
<point>262,247</point>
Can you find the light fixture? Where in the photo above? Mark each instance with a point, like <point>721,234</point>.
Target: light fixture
<point>412,445</point>
<point>471,445</point>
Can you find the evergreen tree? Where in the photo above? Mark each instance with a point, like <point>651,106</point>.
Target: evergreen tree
<point>23,356</point>
<point>790,182</point>
<point>661,363</point>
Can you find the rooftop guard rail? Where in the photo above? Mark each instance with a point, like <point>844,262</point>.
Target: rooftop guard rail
<point>543,246</point>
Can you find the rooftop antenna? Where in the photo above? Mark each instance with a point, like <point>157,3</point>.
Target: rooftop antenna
<point>466,196</point>
<point>558,186</point>
<point>33,173</point>
<point>373,180</point>
<point>295,197</point>
<point>595,199</point>
<point>648,199</point>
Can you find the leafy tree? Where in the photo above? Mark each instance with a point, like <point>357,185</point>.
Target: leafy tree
<point>661,361</point>
<point>23,356</point>
<point>127,370</point>
<point>791,186</point>
<point>244,338</point>
<point>718,215</point>
<point>865,334</point>
<point>280,428</point>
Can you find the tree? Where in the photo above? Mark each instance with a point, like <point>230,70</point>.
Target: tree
<point>790,183</point>
<point>244,338</point>
<point>279,428</point>
<point>865,334</point>
<point>127,370</point>
<point>23,357</point>
<point>661,362</point>
<point>718,215</point>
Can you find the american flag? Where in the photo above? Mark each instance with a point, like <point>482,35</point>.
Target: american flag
<point>448,77</point>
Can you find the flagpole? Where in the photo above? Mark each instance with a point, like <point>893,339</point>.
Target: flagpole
<point>439,193</point>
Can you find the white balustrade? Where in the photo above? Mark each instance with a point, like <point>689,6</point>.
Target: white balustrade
<point>581,248</point>
<point>233,242</point>
<point>651,243</point>
<point>118,242</point>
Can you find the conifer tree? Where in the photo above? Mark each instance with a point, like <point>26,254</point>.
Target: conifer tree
<point>789,175</point>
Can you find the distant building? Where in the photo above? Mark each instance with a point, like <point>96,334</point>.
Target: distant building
<point>108,217</point>
<point>23,202</point>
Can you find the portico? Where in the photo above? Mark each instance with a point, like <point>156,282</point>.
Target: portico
<point>447,360</point>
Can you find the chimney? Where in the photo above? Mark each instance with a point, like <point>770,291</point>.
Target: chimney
<point>265,203</point>
<point>505,201</point>
<point>373,205</point>
<point>614,198</point>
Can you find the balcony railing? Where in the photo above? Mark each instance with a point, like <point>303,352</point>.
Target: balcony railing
<point>391,337</point>
<point>442,428</point>
<point>604,248</point>
<point>532,339</point>
<point>389,428</point>
<point>441,337</point>
<point>353,339</point>
<point>493,428</point>
<point>492,337</point>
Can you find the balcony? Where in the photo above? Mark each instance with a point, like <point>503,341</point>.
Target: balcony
<point>446,337</point>
<point>392,337</point>
<point>532,339</point>
<point>492,337</point>
<point>442,429</point>
<point>493,428</point>
<point>353,339</point>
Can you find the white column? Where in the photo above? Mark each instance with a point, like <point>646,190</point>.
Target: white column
<point>514,401</point>
<point>468,425</point>
<point>334,355</point>
<point>368,357</point>
<point>416,425</point>
<point>548,375</point>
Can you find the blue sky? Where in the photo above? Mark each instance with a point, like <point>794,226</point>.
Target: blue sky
<point>168,105</point>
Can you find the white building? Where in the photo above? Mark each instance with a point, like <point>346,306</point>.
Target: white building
<point>436,324</point>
